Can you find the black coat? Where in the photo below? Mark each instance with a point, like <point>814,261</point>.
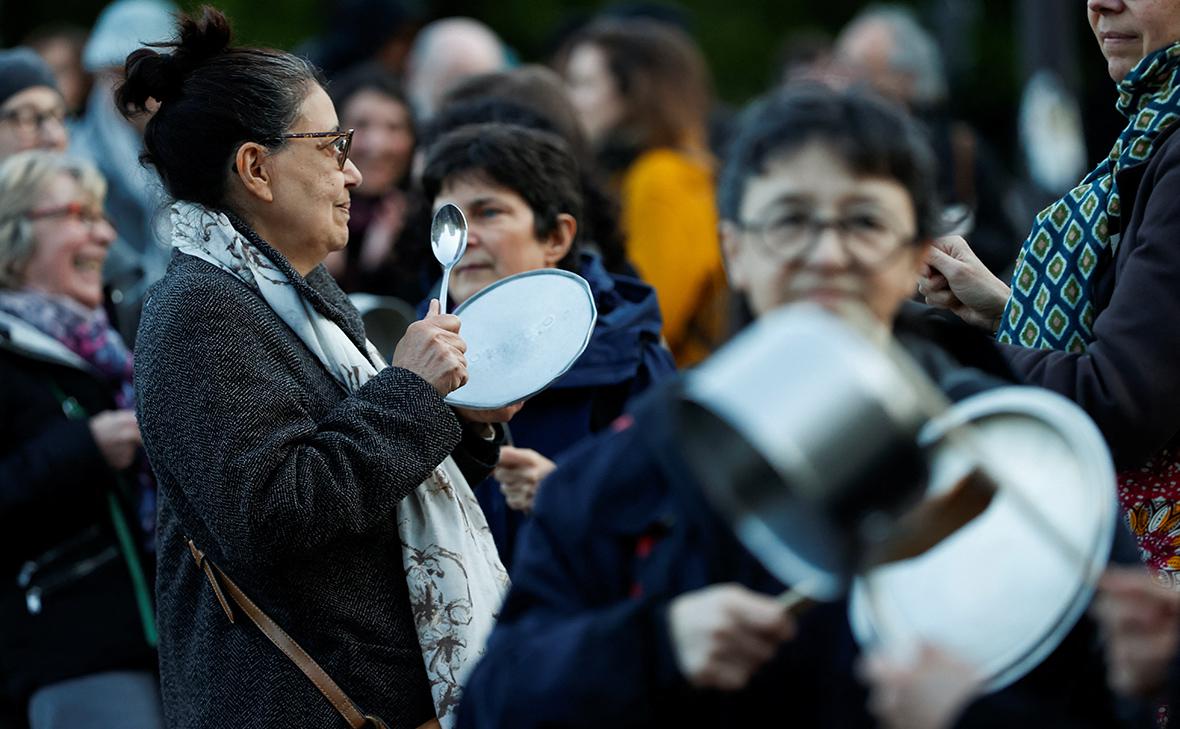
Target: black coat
<point>291,486</point>
<point>54,483</point>
<point>1127,380</point>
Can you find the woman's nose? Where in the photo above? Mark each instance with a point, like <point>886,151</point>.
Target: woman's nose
<point>103,232</point>
<point>473,239</point>
<point>352,175</point>
<point>1109,6</point>
<point>828,250</point>
<point>53,135</point>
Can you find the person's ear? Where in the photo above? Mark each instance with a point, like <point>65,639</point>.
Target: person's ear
<point>251,169</point>
<point>731,250</point>
<point>557,243</point>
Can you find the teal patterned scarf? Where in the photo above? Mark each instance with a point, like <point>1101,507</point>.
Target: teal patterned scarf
<point>1050,306</point>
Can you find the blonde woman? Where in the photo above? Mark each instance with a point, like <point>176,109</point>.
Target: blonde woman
<point>75,577</point>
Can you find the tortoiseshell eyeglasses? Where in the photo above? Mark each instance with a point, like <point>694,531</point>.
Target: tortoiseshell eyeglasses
<point>341,141</point>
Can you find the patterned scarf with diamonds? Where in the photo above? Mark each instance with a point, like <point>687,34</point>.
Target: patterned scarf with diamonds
<point>1050,306</point>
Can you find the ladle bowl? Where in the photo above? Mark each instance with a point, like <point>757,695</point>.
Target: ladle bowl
<point>448,240</point>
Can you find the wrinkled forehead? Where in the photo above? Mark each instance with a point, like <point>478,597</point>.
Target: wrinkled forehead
<point>72,185</point>
<point>814,176</point>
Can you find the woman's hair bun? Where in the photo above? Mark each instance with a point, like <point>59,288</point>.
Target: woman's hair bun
<point>150,74</point>
<point>202,38</point>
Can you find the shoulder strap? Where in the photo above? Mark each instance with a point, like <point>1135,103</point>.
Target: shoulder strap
<point>223,585</point>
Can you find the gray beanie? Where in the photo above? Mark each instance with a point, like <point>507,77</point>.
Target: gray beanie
<point>21,68</point>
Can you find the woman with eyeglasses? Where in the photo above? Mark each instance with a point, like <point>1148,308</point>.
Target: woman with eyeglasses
<point>75,500</point>
<point>293,463</point>
<point>627,584</point>
<point>32,110</point>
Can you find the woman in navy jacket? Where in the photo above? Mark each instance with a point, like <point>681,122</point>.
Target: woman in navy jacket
<point>521,192</point>
<point>632,604</point>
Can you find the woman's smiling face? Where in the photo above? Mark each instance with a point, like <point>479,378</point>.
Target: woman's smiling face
<point>307,217</point>
<point>72,241</point>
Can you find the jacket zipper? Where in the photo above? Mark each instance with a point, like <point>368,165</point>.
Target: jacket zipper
<point>35,594</point>
<point>33,566</point>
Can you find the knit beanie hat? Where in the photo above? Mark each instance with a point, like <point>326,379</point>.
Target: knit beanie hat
<point>21,68</point>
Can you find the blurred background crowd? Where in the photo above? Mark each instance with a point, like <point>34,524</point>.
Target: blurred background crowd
<point>1005,104</point>
<point>645,95</point>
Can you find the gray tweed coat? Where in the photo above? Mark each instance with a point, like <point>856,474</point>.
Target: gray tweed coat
<point>291,486</point>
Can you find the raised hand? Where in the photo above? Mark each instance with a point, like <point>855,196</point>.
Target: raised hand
<point>433,350</point>
<point>520,472</point>
<point>954,278</point>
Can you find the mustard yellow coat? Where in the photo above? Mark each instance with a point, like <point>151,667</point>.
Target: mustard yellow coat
<point>670,222</point>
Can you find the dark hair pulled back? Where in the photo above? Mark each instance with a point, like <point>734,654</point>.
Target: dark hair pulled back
<point>211,98</point>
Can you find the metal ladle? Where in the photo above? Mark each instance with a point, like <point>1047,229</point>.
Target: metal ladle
<point>448,240</point>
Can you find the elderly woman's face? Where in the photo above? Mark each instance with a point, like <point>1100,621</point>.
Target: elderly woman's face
<point>1128,30</point>
<point>71,240</point>
<point>308,214</point>
<point>812,230</point>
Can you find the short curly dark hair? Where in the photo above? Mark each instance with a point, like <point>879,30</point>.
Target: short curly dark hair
<point>872,136</point>
<point>536,165</point>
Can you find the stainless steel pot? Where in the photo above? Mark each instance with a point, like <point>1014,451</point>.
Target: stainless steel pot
<point>804,433</point>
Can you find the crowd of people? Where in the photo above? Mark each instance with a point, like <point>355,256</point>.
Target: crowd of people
<point>222,505</point>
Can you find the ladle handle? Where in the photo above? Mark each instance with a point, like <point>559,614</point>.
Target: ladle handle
<point>795,602</point>
<point>442,292</point>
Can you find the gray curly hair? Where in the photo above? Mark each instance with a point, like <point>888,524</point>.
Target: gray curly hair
<point>23,179</point>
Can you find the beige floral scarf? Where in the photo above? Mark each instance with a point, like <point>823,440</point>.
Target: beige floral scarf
<point>454,574</point>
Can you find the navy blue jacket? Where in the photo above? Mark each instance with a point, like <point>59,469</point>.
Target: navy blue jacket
<point>582,639</point>
<point>623,359</point>
<point>618,532</point>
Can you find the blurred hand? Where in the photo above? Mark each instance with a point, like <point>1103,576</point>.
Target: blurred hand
<point>117,434</point>
<point>929,693</point>
<point>382,232</point>
<point>954,278</point>
<point>520,472</point>
<point>1140,622</point>
<point>721,635</point>
<point>433,350</point>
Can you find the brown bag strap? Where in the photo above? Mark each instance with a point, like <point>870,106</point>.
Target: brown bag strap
<point>318,676</point>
